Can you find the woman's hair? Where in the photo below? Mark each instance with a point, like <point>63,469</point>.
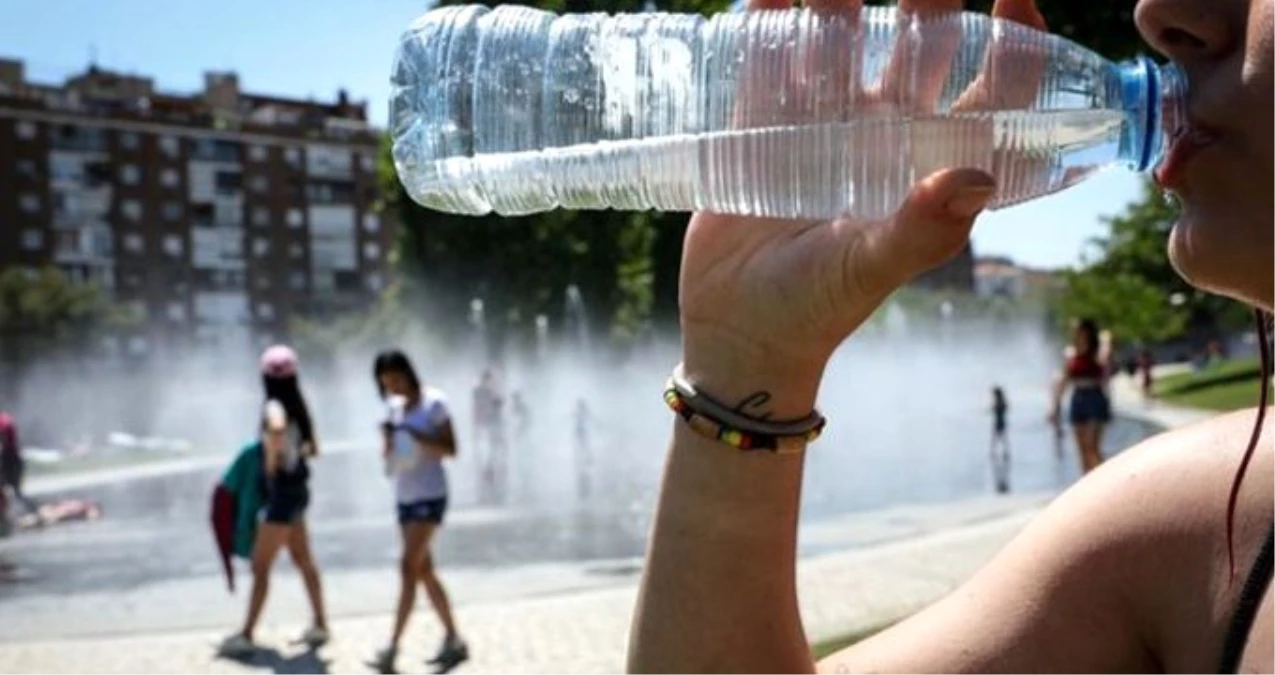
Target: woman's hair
<point>1090,328</point>
<point>287,391</point>
<point>1264,351</point>
<point>998,393</point>
<point>394,361</point>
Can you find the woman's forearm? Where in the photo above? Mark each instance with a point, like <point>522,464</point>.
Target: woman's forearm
<point>719,589</point>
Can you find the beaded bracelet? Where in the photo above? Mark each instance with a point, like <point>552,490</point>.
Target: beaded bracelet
<point>742,440</point>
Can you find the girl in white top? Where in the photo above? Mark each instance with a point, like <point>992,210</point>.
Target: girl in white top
<point>417,436</point>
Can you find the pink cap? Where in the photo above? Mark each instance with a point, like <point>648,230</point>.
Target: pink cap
<point>279,361</point>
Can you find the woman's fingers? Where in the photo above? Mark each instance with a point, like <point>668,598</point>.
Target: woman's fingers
<point>1019,11</point>
<point>929,35</point>
<point>826,59</point>
<point>1013,65</point>
<point>932,225</point>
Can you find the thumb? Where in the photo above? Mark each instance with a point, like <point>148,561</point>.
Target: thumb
<point>932,225</point>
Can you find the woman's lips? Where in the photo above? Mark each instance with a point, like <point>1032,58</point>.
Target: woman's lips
<point>1184,146</point>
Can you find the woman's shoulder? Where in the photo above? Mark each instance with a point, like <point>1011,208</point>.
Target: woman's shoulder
<point>1169,497</point>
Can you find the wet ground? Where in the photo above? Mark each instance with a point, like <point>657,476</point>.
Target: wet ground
<point>155,528</point>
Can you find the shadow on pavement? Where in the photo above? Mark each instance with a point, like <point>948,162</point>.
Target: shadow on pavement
<point>307,661</point>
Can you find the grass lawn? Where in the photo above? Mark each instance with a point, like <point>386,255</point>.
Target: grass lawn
<point>835,645</point>
<point>1227,386</point>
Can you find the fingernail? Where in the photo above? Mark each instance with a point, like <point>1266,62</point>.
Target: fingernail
<point>969,201</point>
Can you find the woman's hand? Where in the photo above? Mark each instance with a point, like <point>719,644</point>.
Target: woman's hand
<point>764,302</point>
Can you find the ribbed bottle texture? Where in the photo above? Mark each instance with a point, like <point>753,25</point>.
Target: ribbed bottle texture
<point>791,114</point>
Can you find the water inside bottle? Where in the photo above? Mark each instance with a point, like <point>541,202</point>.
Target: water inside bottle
<point>862,168</point>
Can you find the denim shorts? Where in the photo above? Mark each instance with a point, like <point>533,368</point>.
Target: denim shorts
<point>423,511</point>
<point>1089,404</point>
<point>285,509</point>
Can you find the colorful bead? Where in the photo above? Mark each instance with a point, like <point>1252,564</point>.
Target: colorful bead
<point>710,428</point>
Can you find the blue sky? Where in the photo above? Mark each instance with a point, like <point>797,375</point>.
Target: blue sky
<point>312,48</point>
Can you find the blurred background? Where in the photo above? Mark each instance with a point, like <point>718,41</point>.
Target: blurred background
<point>183,184</point>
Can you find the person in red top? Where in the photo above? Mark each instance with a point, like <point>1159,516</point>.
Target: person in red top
<point>1085,372</point>
<point>11,464</point>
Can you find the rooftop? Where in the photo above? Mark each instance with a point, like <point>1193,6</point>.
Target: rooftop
<point>222,104</point>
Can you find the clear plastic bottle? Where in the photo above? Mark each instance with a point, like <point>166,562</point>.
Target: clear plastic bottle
<point>787,113</point>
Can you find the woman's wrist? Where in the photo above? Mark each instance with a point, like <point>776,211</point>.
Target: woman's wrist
<point>763,382</point>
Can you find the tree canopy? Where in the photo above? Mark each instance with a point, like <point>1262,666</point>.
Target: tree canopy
<point>1129,285</point>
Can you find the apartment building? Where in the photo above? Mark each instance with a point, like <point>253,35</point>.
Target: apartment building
<point>218,215</point>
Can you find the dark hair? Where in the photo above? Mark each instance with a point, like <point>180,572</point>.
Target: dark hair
<point>394,361</point>
<point>998,393</point>
<point>287,391</point>
<point>1264,352</point>
<point>1090,328</point>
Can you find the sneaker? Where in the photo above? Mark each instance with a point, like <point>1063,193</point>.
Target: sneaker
<point>384,661</point>
<point>315,637</point>
<point>453,653</point>
<point>236,647</point>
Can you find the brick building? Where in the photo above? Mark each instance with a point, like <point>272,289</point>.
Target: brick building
<point>217,215</point>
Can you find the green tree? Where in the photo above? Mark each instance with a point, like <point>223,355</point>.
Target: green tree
<point>44,314</point>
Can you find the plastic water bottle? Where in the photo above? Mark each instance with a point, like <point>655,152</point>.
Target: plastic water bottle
<point>403,454</point>
<point>787,113</point>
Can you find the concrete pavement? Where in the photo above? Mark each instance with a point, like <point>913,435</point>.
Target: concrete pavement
<point>583,632</point>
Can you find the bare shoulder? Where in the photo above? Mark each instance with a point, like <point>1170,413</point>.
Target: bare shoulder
<point>1131,563</point>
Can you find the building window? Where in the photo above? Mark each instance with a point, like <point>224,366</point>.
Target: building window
<point>27,130</point>
<point>296,219</point>
<point>261,247</point>
<point>263,283</point>
<point>260,216</point>
<point>133,243</point>
<point>27,168</point>
<point>68,241</point>
<point>170,146</point>
<point>228,182</point>
<point>177,312</point>
<point>259,184</point>
<point>30,203</point>
<point>296,251</point>
<point>100,242</point>
<point>292,156</point>
<point>323,281</point>
<point>172,211</point>
<point>371,223</point>
<point>174,245</point>
<point>132,209</point>
<point>32,239</point>
<point>257,153</point>
<point>296,280</point>
<point>129,140</point>
<point>265,311</point>
<point>170,178</point>
<point>130,174</point>
<point>368,162</point>
<point>371,250</point>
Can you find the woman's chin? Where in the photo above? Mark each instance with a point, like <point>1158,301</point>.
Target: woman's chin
<point>1211,261</point>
